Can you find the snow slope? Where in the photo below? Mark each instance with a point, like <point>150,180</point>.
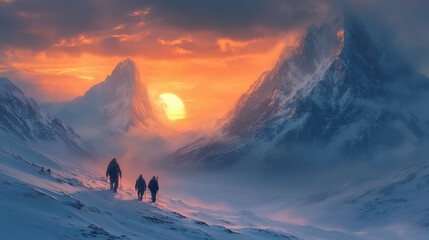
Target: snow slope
<point>46,197</point>
<point>389,207</point>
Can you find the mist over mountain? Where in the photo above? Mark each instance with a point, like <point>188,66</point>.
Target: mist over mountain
<point>22,119</point>
<point>49,189</point>
<point>329,142</point>
<point>337,91</point>
<point>118,104</point>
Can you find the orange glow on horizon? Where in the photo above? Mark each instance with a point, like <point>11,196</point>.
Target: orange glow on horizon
<point>208,83</point>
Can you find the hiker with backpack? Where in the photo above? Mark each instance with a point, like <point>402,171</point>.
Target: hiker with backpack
<point>154,188</point>
<point>113,170</point>
<point>140,187</point>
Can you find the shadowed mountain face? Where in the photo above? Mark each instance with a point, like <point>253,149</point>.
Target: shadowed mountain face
<point>335,90</point>
<point>22,118</point>
<point>118,104</point>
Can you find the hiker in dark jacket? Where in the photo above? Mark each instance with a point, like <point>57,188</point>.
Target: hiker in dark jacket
<point>113,170</point>
<point>153,187</point>
<point>140,187</point>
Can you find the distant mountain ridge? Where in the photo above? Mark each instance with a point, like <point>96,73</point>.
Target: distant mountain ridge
<point>22,118</point>
<point>335,89</point>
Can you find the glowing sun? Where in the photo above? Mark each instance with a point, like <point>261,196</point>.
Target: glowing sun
<point>173,106</point>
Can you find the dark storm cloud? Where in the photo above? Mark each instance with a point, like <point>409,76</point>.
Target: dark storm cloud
<point>237,18</point>
<point>33,23</point>
<point>16,31</point>
<point>39,24</point>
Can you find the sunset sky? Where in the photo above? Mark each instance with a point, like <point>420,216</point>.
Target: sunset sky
<point>206,52</point>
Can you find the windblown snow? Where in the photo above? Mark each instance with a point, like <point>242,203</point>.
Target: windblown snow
<point>44,196</point>
<point>335,90</point>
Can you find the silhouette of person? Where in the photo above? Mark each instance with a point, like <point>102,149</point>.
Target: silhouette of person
<point>153,187</point>
<point>113,170</point>
<point>140,187</point>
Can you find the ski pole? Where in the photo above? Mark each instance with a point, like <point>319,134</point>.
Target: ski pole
<point>159,195</point>
<point>105,180</point>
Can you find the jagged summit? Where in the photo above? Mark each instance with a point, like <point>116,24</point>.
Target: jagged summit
<point>123,98</point>
<point>124,74</point>
<point>119,103</point>
<point>332,90</point>
<point>296,69</point>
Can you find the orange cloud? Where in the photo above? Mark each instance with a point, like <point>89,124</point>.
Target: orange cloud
<point>131,37</point>
<point>140,12</point>
<point>182,51</point>
<point>73,42</point>
<point>120,26</point>
<point>231,45</point>
<point>176,41</point>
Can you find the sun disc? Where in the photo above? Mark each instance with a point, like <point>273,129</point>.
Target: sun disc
<point>173,106</point>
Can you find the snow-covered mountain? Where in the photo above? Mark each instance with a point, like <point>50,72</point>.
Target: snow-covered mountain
<point>336,89</point>
<point>119,103</point>
<point>48,193</point>
<point>22,119</point>
<point>45,194</point>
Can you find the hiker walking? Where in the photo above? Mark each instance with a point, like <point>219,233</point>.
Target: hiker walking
<point>153,187</point>
<point>140,187</point>
<point>113,170</point>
